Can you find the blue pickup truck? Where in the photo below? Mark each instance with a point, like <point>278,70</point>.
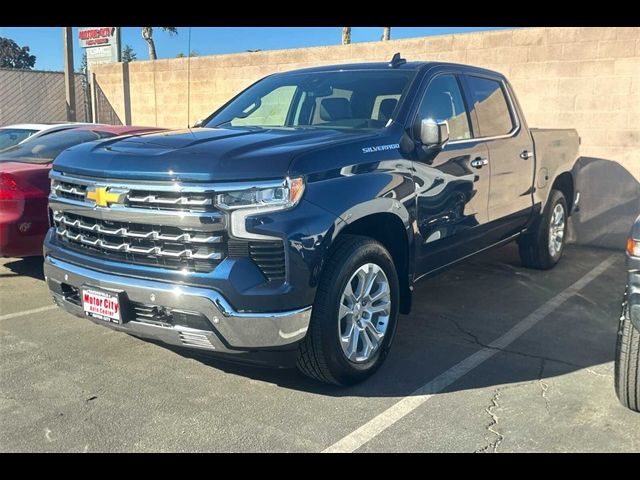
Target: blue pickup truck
<point>299,215</point>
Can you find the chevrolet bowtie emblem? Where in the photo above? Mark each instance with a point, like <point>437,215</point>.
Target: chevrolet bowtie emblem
<point>103,197</point>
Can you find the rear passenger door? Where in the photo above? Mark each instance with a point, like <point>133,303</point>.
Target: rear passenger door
<point>510,154</point>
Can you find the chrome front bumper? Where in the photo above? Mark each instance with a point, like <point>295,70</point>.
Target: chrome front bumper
<point>231,331</point>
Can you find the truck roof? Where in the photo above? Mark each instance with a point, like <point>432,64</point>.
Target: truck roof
<point>416,65</point>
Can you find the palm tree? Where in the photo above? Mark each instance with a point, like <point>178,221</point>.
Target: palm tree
<point>147,34</point>
<point>346,35</point>
<point>386,33</point>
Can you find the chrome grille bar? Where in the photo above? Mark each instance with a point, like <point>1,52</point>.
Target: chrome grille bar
<point>170,201</point>
<point>125,232</point>
<point>60,188</point>
<point>127,248</point>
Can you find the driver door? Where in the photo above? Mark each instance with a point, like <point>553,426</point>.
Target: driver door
<point>452,187</point>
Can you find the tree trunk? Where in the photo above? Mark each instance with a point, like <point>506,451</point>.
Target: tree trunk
<point>147,34</point>
<point>346,35</point>
<point>386,33</point>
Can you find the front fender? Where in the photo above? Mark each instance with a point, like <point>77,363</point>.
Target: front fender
<point>354,197</point>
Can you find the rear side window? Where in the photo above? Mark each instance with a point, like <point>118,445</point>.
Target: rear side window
<point>492,109</point>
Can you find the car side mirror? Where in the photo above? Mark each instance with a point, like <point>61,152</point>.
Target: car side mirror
<point>434,134</point>
<point>198,124</point>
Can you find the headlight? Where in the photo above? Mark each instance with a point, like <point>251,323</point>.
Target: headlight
<point>278,197</point>
<point>251,201</point>
<point>633,247</point>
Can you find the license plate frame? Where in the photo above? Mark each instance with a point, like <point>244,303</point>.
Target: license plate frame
<point>107,305</point>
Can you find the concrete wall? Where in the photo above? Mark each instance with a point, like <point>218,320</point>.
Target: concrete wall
<point>31,96</point>
<point>580,77</point>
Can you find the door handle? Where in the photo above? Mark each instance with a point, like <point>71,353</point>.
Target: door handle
<point>479,162</point>
<point>526,155</point>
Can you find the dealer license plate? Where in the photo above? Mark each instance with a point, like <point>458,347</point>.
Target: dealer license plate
<point>102,305</point>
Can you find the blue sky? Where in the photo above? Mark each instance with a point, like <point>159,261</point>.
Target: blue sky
<point>46,42</point>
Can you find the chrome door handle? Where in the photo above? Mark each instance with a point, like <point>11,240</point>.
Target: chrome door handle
<point>526,155</point>
<point>479,162</point>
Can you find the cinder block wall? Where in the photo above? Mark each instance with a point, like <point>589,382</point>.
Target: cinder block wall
<point>580,77</point>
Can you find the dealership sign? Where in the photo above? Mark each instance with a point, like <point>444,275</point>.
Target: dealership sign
<point>102,44</point>
<point>90,37</point>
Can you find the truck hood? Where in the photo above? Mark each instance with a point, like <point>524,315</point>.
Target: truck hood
<point>198,155</point>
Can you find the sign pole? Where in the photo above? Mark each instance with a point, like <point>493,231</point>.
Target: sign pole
<point>69,78</point>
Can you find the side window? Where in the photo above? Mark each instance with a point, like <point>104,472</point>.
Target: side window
<point>492,109</point>
<point>272,109</point>
<point>443,101</point>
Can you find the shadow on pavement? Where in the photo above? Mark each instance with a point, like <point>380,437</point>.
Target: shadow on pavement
<point>609,203</point>
<point>28,266</point>
<point>477,302</point>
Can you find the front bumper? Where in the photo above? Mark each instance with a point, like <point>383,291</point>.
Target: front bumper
<point>230,331</point>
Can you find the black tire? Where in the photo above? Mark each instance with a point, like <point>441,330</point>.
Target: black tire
<point>320,355</point>
<point>534,245</point>
<point>627,368</point>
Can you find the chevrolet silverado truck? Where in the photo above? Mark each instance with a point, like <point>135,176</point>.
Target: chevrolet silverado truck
<point>299,215</point>
<point>627,360</point>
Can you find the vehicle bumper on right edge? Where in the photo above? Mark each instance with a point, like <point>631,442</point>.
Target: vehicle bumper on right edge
<point>633,289</point>
<point>197,317</point>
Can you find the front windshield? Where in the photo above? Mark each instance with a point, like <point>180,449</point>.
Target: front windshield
<point>13,136</point>
<point>350,100</point>
<point>46,148</point>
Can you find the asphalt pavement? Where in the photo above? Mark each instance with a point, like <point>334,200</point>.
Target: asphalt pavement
<point>493,358</point>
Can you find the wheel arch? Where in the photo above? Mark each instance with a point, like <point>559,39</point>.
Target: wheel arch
<point>392,232</point>
<point>565,184</point>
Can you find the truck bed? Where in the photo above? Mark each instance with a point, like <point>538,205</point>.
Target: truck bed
<point>556,150</point>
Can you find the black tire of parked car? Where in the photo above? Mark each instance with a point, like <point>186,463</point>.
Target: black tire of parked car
<point>320,355</point>
<point>534,245</point>
<point>627,368</point>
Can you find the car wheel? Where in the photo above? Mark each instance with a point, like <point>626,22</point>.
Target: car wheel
<point>627,371</point>
<point>542,247</point>
<point>354,315</point>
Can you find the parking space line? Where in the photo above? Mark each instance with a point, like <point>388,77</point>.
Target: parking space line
<point>27,312</point>
<point>400,409</point>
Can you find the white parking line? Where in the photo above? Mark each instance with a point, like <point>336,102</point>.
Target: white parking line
<point>27,312</point>
<point>378,424</point>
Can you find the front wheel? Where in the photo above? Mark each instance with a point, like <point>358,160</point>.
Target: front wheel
<point>354,315</point>
<point>627,361</point>
<point>543,246</point>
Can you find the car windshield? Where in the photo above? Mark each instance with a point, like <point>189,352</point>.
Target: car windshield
<point>13,136</point>
<point>46,148</point>
<point>348,99</point>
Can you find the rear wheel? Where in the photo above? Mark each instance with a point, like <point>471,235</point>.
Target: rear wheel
<point>627,369</point>
<point>354,315</point>
<point>543,246</point>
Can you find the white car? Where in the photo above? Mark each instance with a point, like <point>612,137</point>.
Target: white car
<point>14,134</point>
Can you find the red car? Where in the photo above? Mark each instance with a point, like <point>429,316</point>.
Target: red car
<point>24,184</point>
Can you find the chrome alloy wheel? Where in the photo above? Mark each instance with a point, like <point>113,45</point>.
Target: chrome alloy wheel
<point>365,307</point>
<point>556,229</point>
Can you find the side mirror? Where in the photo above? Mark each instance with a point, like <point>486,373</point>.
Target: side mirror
<point>434,134</point>
<point>198,124</point>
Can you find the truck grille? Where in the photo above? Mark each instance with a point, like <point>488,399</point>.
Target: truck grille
<point>162,225</point>
<point>141,243</point>
<point>141,198</point>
